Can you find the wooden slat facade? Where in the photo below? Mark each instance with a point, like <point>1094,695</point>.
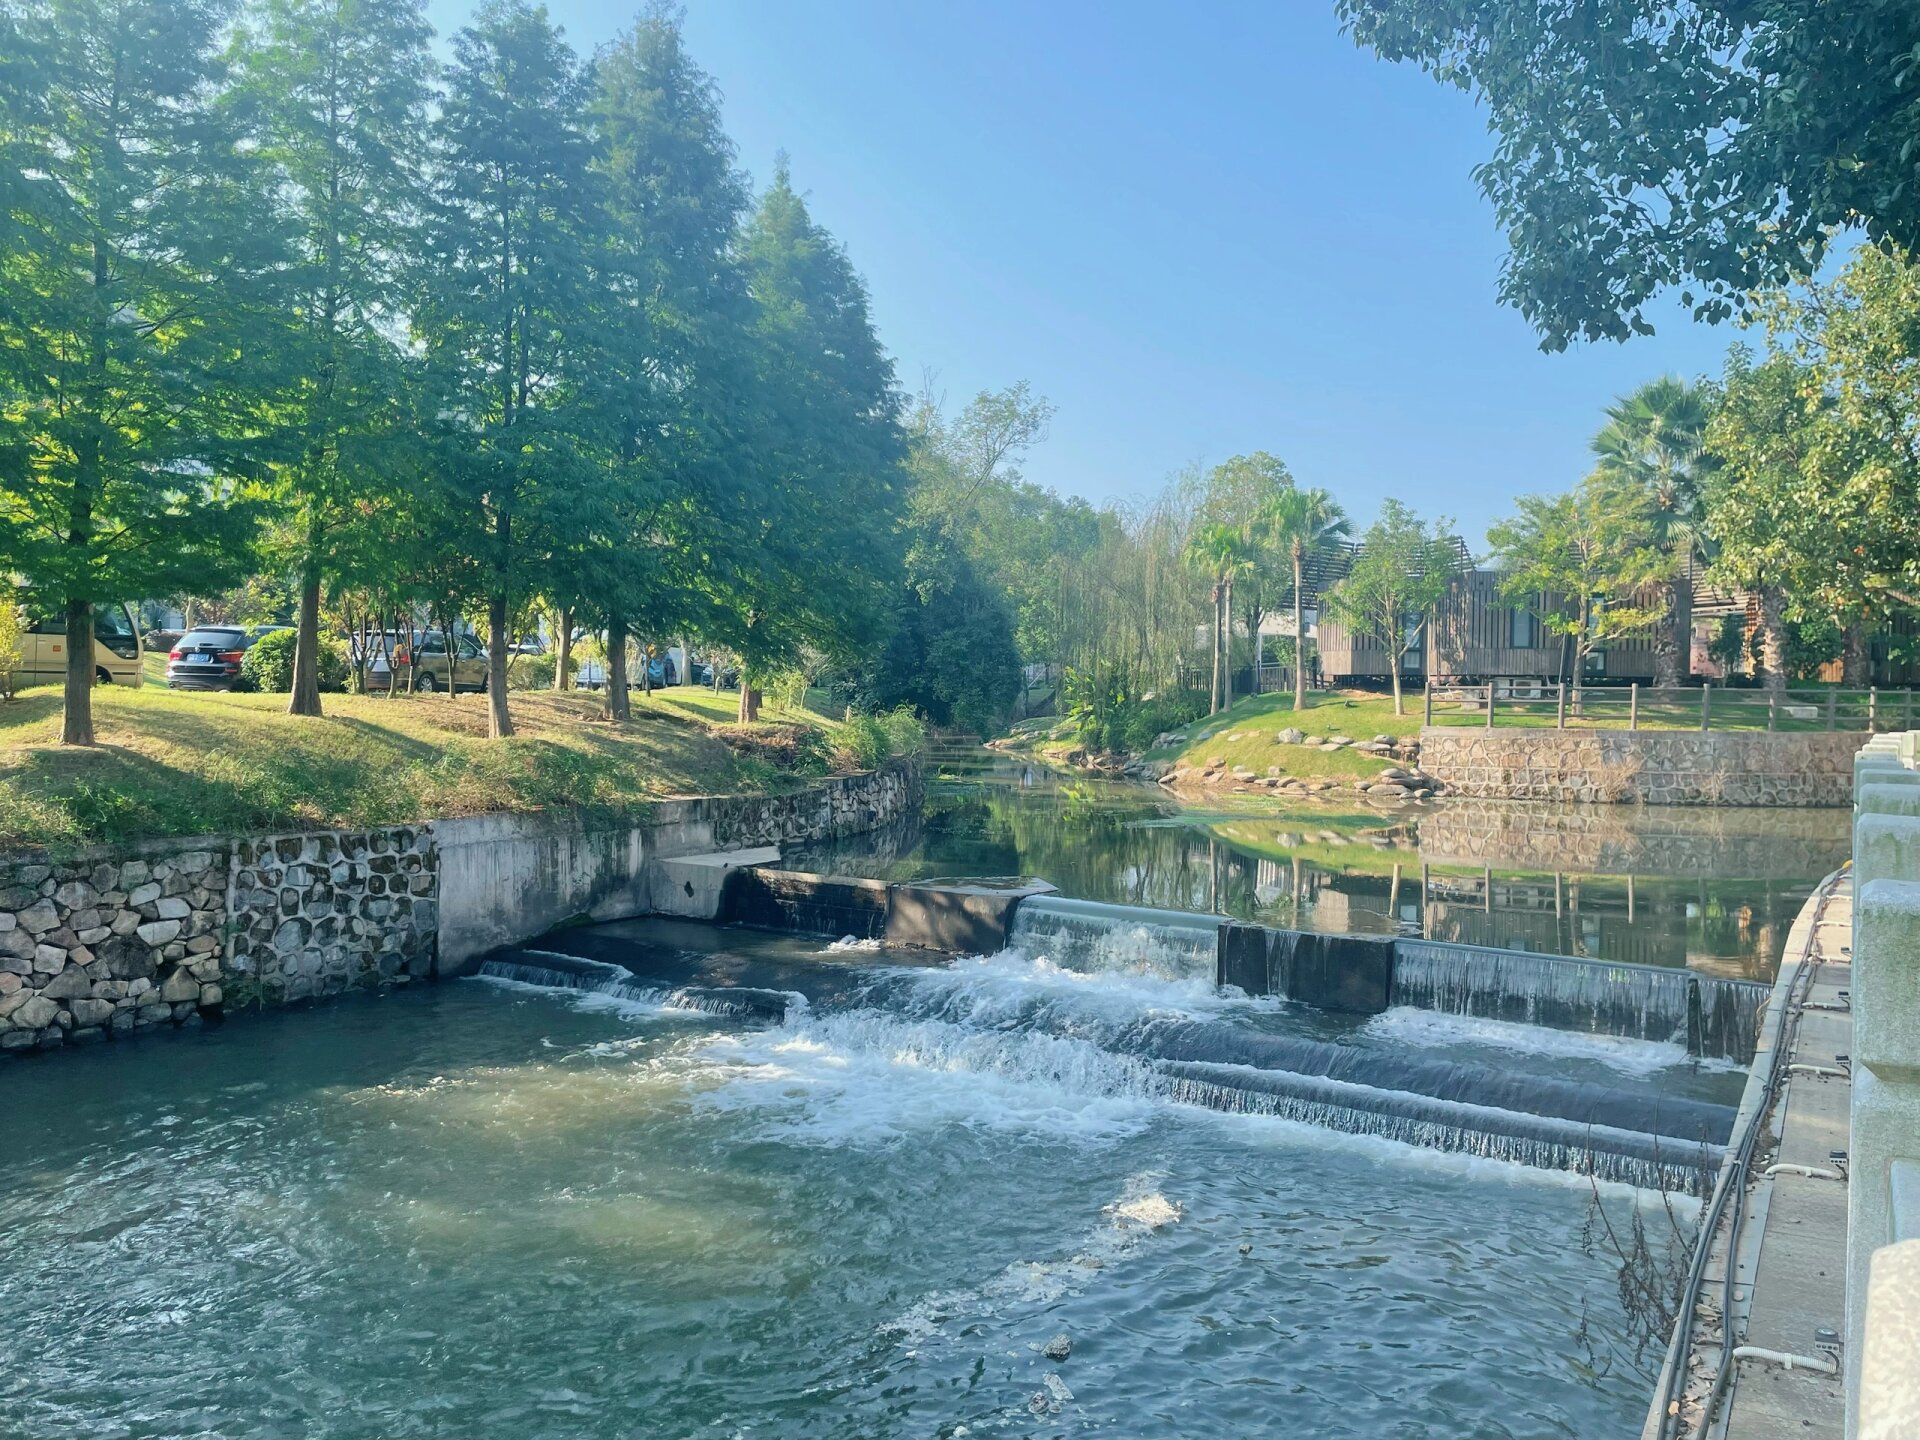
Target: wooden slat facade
<point>1472,638</point>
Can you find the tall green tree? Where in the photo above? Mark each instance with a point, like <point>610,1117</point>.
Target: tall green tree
<point>1644,144</point>
<point>673,354</point>
<point>131,309</point>
<point>503,304</point>
<point>1653,450</point>
<point>812,558</point>
<point>336,92</point>
<point>1587,562</point>
<point>1301,523</point>
<point>1403,572</point>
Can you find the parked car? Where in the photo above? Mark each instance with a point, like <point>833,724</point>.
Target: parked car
<point>703,674</point>
<point>116,648</point>
<point>208,657</point>
<point>425,659</point>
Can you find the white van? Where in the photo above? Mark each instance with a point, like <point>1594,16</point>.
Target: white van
<point>116,648</point>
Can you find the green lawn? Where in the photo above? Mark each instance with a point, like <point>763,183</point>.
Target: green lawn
<point>1244,735</point>
<point>188,763</point>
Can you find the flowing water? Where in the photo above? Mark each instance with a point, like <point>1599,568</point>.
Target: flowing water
<point>602,1205</point>
<point>1714,890</point>
<point>662,1180</point>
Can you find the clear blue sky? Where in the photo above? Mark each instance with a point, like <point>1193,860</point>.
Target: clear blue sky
<point>1199,231</point>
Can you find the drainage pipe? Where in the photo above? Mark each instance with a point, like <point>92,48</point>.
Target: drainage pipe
<point>1823,1364</point>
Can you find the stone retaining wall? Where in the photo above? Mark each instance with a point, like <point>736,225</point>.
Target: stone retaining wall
<point>166,933</point>
<point>1643,767</point>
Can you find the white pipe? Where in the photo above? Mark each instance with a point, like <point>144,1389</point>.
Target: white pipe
<point>1836,1073</point>
<point>1821,1364</point>
<point>1812,1172</point>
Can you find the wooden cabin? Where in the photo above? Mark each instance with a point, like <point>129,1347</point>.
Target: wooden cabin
<point>1478,635</point>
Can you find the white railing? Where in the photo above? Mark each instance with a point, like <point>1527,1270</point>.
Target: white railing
<point>1883,1196</point>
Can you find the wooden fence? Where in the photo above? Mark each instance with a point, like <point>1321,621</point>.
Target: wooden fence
<point>1546,704</point>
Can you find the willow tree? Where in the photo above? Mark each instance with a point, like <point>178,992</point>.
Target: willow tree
<point>136,242</point>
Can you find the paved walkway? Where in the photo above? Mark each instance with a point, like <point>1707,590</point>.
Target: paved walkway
<point>1789,1272</point>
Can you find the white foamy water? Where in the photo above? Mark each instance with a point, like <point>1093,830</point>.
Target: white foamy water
<point>866,1077</point>
<point>1012,988</point>
<point>628,1007</point>
<point>1432,1029</point>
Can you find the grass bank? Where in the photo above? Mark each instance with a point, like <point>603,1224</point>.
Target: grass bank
<point>171,763</point>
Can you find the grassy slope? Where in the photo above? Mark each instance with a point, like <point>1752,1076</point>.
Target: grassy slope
<point>1357,715</point>
<point>185,763</point>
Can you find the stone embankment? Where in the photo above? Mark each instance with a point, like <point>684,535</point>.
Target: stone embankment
<point>169,933</point>
<point>1644,767</point>
<point>1401,781</point>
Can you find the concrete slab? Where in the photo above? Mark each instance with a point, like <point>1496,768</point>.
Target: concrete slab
<point>688,887</point>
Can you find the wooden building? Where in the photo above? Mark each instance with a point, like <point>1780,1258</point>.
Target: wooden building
<point>1478,635</point>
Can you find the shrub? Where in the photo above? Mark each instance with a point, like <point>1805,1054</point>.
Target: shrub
<point>9,646</point>
<point>905,734</point>
<point>861,743</point>
<point>268,664</point>
<point>1111,717</point>
<point>530,672</point>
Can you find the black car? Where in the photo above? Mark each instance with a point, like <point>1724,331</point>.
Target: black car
<point>208,657</point>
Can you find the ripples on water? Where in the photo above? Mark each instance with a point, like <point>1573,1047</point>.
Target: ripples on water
<point>486,1211</point>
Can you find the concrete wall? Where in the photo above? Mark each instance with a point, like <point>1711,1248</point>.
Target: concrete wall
<point>507,878</point>
<point>1883,1192</point>
<point>162,934</point>
<point>1645,767</point>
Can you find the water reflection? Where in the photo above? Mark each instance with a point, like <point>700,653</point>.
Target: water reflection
<point>1714,889</point>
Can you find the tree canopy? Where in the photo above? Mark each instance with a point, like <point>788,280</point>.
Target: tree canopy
<point>1649,145</point>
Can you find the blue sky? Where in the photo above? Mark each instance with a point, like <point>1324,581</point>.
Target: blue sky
<point>1199,231</point>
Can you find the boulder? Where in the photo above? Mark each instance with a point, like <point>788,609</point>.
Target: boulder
<point>38,1013</point>
<point>1290,737</point>
<point>159,932</point>
<point>178,987</point>
<point>69,983</point>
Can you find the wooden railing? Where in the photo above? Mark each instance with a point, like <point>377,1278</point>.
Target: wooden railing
<point>1547,704</point>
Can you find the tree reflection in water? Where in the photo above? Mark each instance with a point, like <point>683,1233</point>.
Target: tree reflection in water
<point>1634,884</point>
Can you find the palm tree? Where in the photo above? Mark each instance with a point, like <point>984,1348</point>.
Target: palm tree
<point>1301,523</point>
<point>1221,552</point>
<point>1654,445</point>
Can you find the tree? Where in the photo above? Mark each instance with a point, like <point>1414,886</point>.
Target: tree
<point>500,311</point>
<point>810,560</point>
<point>1653,449</point>
<point>951,655</point>
<point>1238,493</point>
<point>1651,143</point>
<point>134,245</point>
<point>1587,562</point>
<point>1398,580</point>
<point>672,366</point>
<point>1302,523</point>
<point>1220,552</point>
<point>336,93</point>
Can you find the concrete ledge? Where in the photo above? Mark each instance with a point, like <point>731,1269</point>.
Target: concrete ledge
<point>688,887</point>
<point>958,919</point>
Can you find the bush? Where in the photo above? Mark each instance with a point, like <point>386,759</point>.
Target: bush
<point>10,631</point>
<point>905,734</point>
<point>861,743</point>
<point>1111,718</point>
<point>530,672</point>
<point>268,664</point>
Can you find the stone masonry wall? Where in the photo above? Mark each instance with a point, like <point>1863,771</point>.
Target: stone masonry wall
<point>101,946</point>
<point>168,933</point>
<point>1644,767</point>
<point>316,914</point>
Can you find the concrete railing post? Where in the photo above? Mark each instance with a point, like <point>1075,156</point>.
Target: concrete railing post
<point>1633,706</point>
<point>1560,706</point>
<point>1429,716</point>
<point>1883,1230</point>
<point>1706,703</point>
<point>1489,705</point>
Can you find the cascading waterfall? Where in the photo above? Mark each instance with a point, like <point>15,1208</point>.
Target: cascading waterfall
<point>1712,1017</point>
<point>1095,937</point>
<point>551,971</point>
